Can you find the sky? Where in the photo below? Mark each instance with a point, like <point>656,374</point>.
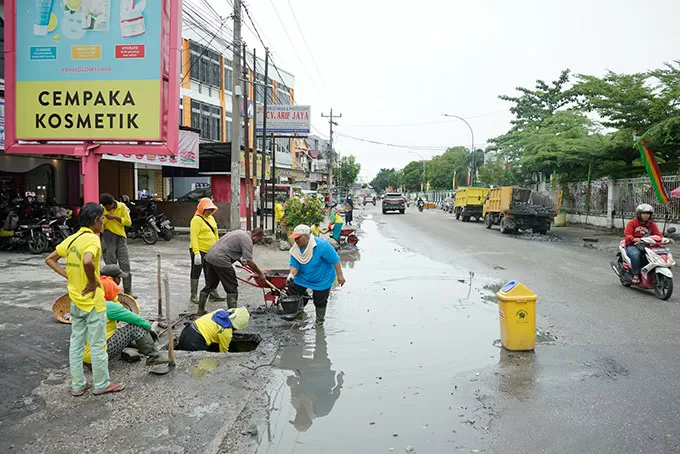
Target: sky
<point>393,67</point>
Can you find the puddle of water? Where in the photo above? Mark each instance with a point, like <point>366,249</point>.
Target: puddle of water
<point>397,336</point>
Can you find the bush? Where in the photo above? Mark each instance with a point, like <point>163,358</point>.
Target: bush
<point>297,211</point>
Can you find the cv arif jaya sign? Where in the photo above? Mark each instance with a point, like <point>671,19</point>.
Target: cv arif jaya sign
<point>285,120</point>
<point>89,70</point>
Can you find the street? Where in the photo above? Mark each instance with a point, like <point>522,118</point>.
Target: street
<point>409,360</point>
<point>414,331</point>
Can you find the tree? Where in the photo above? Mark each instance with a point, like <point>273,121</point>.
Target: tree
<point>382,179</point>
<point>412,175</point>
<point>347,171</point>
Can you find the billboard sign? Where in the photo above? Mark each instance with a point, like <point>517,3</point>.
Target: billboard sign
<point>91,70</point>
<point>285,120</point>
<point>186,157</point>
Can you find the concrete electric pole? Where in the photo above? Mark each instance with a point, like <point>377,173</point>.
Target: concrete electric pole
<point>235,208</point>
<point>331,151</point>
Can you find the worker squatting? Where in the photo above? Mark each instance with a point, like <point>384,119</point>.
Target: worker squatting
<point>84,98</point>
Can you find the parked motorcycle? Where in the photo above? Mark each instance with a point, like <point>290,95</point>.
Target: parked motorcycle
<point>145,228</point>
<point>31,234</point>
<point>167,230</point>
<point>656,273</point>
<point>59,230</point>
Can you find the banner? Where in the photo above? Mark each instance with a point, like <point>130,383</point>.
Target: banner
<point>289,120</point>
<point>187,157</point>
<point>654,173</point>
<point>88,70</point>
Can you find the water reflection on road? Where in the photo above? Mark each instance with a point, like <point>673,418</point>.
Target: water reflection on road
<point>383,373</point>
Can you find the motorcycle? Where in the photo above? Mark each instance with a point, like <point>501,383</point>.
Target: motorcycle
<point>167,230</point>
<point>421,205</point>
<point>656,274</point>
<point>59,230</point>
<point>145,228</point>
<point>31,234</point>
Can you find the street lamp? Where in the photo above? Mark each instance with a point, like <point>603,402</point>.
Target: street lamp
<point>422,159</point>
<point>473,171</point>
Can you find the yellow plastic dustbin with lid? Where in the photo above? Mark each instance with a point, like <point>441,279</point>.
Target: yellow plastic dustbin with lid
<point>517,314</point>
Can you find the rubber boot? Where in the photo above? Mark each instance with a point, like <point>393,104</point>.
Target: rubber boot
<point>203,298</point>
<point>232,300</point>
<point>127,285</point>
<point>147,347</point>
<point>194,291</point>
<point>320,316</point>
<point>214,296</point>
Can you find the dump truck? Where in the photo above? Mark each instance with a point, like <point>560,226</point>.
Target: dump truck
<point>515,208</point>
<point>468,203</point>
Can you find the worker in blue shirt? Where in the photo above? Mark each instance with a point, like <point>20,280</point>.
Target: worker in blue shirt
<point>314,265</point>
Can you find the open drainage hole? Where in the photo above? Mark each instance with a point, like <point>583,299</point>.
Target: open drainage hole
<point>240,343</point>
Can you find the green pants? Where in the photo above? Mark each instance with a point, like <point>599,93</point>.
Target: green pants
<point>88,325</point>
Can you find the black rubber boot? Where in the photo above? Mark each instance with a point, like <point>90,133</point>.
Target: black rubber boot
<point>214,296</point>
<point>203,298</point>
<point>232,300</point>
<point>320,316</point>
<point>194,291</point>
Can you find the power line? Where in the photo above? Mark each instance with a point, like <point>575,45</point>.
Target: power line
<point>295,49</point>
<point>410,147</point>
<point>205,49</point>
<point>304,40</point>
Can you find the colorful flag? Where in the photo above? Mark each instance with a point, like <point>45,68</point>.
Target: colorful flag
<point>512,175</point>
<point>653,172</point>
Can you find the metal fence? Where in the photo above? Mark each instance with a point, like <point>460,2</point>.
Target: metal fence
<point>629,193</point>
<point>574,198</point>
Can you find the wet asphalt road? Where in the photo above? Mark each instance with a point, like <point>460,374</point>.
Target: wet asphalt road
<point>408,360</point>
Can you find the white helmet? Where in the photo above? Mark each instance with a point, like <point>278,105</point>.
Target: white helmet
<point>644,208</point>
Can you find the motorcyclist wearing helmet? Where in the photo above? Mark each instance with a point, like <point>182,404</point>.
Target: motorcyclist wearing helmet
<point>641,225</point>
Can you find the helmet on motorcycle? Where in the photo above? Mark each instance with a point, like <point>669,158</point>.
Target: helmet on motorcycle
<point>644,208</point>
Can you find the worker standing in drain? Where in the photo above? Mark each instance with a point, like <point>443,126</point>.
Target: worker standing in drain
<point>315,265</point>
<point>114,238</point>
<point>202,235</point>
<point>82,252</point>
<point>137,332</point>
<point>213,331</point>
<point>236,246</point>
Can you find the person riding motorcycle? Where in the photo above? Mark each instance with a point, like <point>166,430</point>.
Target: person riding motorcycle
<point>641,225</point>
<point>420,203</point>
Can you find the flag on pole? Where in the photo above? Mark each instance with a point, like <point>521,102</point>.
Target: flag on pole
<point>653,172</point>
<point>512,175</point>
<point>454,180</point>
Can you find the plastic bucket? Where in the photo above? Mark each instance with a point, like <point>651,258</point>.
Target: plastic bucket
<point>291,304</point>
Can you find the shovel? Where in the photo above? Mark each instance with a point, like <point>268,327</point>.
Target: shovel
<point>165,368</point>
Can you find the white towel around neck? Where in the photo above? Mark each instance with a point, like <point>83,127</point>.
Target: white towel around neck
<point>305,257</point>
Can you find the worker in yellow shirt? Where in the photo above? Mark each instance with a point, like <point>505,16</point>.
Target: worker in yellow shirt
<point>82,252</point>
<point>114,238</point>
<point>202,235</point>
<point>213,331</point>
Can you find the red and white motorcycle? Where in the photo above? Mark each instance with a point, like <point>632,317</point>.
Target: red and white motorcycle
<point>656,273</point>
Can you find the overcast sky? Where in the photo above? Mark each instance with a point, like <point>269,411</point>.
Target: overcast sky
<point>391,65</point>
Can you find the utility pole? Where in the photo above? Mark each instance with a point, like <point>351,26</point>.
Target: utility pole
<point>263,180</point>
<point>254,181</point>
<point>246,140</point>
<point>235,208</point>
<point>332,123</point>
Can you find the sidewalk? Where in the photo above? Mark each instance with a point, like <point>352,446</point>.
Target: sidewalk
<point>191,409</point>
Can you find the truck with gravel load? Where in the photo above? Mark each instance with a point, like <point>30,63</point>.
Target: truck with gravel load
<point>514,208</point>
<point>468,203</point>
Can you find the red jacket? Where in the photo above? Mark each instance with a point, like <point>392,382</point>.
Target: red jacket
<point>636,229</point>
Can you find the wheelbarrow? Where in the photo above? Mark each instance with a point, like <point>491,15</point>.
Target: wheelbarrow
<point>273,287</point>
<point>348,235</point>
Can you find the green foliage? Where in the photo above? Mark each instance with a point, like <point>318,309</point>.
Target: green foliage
<point>382,179</point>
<point>297,211</point>
<point>347,171</point>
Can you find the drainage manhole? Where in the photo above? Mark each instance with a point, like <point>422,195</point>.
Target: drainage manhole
<point>244,342</point>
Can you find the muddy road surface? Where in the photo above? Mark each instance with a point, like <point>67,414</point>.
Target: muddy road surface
<point>409,360</point>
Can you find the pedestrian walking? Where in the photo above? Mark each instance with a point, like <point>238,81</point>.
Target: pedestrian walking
<point>235,246</point>
<point>114,238</point>
<point>349,210</point>
<point>314,265</point>
<point>335,221</point>
<point>202,235</point>
<point>83,252</point>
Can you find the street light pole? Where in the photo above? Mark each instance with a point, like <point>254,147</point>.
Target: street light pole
<point>473,170</point>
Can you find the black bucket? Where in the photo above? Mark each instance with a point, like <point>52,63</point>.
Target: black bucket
<point>291,304</point>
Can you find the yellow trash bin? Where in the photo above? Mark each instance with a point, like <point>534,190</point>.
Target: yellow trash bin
<point>517,314</point>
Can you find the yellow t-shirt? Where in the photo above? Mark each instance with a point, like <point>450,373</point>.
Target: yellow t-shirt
<point>202,237</point>
<point>214,333</point>
<point>73,249</point>
<point>279,211</point>
<point>115,227</point>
